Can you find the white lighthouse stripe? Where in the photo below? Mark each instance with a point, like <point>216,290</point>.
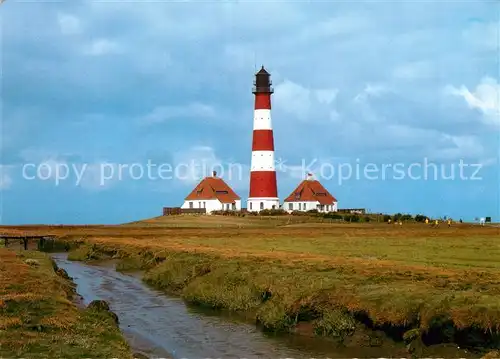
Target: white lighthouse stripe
<point>262,161</point>
<point>262,120</point>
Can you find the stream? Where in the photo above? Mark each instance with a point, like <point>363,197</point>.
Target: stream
<point>162,326</point>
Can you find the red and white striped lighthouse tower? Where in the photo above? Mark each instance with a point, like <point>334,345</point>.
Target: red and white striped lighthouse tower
<point>263,186</point>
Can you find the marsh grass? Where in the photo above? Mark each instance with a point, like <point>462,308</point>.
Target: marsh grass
<point>443,281</point>
<point>39,320</point>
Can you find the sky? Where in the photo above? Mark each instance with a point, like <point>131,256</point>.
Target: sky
<point>393,105</point>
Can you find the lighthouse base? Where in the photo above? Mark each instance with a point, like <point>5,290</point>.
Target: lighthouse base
<point>258,204</point>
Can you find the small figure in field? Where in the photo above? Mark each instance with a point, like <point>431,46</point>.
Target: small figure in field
<point>449,222</point>
<point>400,223</point>
<point>460,220</point>
<point>482,220</point>
<point>436,223</point>
<point>389,221</point>
<point>427,221</point>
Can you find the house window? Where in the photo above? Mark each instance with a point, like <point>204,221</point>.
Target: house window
<point>190,204</point>
<point>261,205</point>
<point>250,205</point>
<point>290,206</point>
<point>305,207</point>
<point>300,206</point>
<point>204,205</point>
<point>234,206</point>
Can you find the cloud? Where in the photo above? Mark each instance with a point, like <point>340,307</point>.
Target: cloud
<point>64,169</point>
<point>484,35</point>
<point>371,90</point>
<point>363,107</point>
<point>239,56</point>
<point>485,98</point>
<point>165,113</point>
<point>186,67</point>
<point>199,161</point>
<point>194,163</point>
<point>5,178</point>
<point>413,71</point>
<point>101,47</point>
<point>460,147</point>
<point>293,98</point>
<point>69,24</point>
<point>326,96</point>
<point>335,26</point>
<point>102,175</point>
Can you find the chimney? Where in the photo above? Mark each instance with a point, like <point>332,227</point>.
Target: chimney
<point>214,174</point>
<point>309,176</point>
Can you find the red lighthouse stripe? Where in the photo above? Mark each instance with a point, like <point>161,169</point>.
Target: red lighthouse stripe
<point>263,140</point>
<point>262,101</point>
<point>263,184</point>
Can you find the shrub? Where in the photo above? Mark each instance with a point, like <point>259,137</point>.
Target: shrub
<point>420,218</point>
<point>351,218</point>
<point>32,262</point>
<point>272,212</point>
<point>335,323</point>
<point>226,213</point>
<point>406,217</point>
<point>332,216</point>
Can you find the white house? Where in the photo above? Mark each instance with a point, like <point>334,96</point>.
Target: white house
<point>213,194</point>
<point>310,194</point>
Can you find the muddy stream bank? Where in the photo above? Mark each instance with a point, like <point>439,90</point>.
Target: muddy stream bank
<point>162,326</point>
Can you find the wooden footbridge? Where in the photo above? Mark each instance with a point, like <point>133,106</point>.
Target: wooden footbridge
<point>24,239</point>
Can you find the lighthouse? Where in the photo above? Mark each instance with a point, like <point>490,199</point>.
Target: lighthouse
<point>263,185</point>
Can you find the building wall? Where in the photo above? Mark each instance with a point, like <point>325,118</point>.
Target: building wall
<point>211,205</point>
<point>307,206</point>
<point>254,204</point>
<point>229,206</point>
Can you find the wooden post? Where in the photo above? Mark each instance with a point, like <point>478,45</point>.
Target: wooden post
<point>25,243</point>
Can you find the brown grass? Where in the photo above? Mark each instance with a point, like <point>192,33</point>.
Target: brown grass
<point>400,275</point>
<point>38,319</point>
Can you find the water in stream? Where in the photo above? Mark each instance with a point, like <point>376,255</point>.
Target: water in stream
<point>162,326</point>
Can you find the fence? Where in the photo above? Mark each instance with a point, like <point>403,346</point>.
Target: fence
<point>168,211</point>
<point>352,210</point>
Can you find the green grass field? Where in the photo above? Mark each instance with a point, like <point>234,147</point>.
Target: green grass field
<point>319,277</point>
